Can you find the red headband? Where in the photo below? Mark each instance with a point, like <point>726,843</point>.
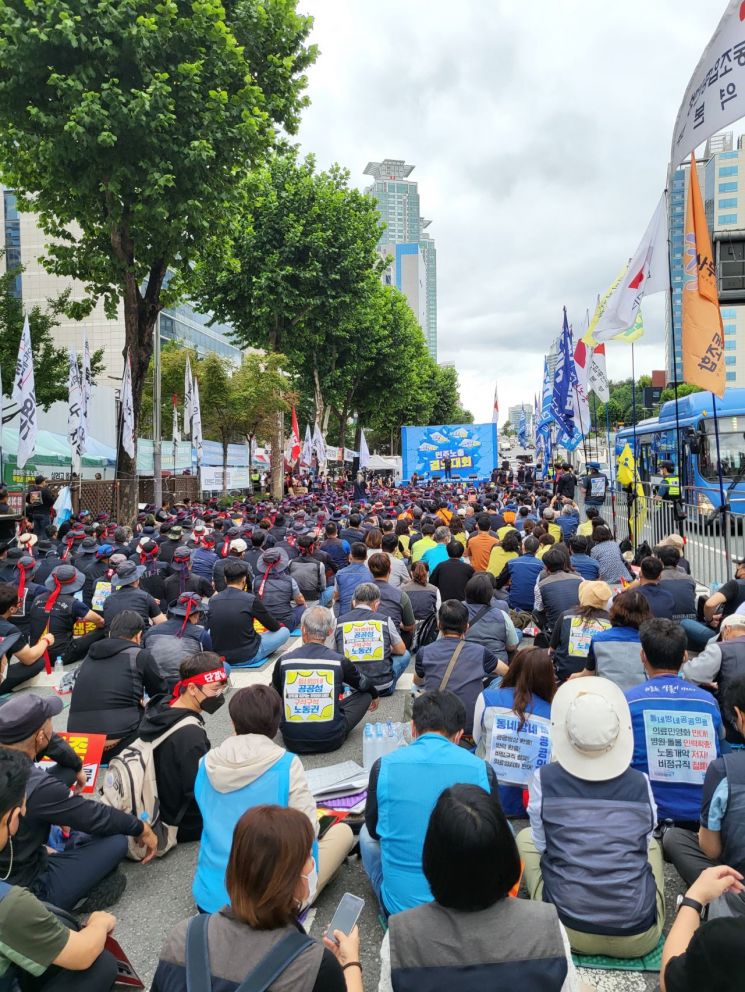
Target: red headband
<point>54,595</point>
<point>24,570</point>
<point>214,677</point>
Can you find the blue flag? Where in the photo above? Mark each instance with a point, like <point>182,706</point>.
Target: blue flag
<point>522,430</point>
<point>565,381</point>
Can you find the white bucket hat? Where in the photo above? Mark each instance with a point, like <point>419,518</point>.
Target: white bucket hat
<point>591,733</point>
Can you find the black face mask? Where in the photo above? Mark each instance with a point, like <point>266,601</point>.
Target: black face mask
<point>211,704</point>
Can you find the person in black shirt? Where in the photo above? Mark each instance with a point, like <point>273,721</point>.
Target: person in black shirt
<point>314,665</point>
<point>451,576</point>
<point>353,532</point>
<point>200,690</point>
<point>182,579</point>
<point>66,877</point>
<point>57,612</point>
<point>110,684</point>
<point>127,595</point>
<point>27,661</point>
<point>231,622</point>
<point>39,503</point>
<point>237,551</point>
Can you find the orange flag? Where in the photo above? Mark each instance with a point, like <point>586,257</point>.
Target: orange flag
<point>703,334</point>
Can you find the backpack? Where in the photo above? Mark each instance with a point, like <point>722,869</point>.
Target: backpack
<point>425,633</point>
<point>130,785</point>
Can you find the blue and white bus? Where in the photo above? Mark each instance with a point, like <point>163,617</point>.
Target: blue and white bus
<point>656,442</point>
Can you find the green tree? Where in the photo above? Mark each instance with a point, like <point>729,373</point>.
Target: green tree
<point>300,258</point>
<point>238,404</point>
<point>684,389</point>
<point>50,362</point>
<point>128,128</point>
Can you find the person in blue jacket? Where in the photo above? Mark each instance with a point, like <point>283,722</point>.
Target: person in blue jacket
<point>403,789</point>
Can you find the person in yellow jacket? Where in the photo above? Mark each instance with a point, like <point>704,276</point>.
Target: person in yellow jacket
<point>503,552</point>
<point>550,525</point>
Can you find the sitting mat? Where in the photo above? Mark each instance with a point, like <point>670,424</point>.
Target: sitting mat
<point>650,962</point>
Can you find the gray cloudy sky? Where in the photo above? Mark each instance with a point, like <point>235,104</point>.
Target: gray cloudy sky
<point>540,133</point>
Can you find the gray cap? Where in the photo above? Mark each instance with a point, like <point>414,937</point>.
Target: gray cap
<point>126,574</point>
<point>69,578</point>
<point>24,714</point>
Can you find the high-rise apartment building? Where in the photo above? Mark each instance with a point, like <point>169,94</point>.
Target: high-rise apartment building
<point>413,269</point>
<point>720,172</point>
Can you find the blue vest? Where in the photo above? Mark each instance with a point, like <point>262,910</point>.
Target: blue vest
<point>410,782</point>
<point>677,731</point>
<point>220,813</point>
<point>524,572</point>
<point>347,580</point>
<point>532,742</point>
<point>203,562</point>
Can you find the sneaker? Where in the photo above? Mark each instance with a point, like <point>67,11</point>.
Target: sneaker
<point>105,894</point>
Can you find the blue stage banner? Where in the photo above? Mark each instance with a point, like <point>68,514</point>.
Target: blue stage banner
<point>472,449</point>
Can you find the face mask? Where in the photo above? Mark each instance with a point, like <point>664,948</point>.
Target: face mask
<point>211,704</point>
<point>312,879</point>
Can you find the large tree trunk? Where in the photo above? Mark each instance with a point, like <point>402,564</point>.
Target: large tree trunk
<point>140,315</point>
<point>278,457</point>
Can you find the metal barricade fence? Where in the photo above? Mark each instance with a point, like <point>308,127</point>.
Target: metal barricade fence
<point>712,554</point>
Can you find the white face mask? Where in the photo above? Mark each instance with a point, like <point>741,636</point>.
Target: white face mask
<point>312,879</point>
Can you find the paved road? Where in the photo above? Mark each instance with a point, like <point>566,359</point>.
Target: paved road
<point>159,895</point>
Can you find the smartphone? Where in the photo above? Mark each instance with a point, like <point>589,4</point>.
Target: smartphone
<point>346,915</point>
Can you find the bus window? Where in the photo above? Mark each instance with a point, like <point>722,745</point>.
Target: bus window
<point>731,448</point>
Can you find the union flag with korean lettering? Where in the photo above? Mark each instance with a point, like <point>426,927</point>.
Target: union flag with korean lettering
<point>703,334</point>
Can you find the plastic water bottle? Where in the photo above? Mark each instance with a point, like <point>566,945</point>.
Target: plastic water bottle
<point>379,741</point>
<point>59,672</point>
<point>368,745</point>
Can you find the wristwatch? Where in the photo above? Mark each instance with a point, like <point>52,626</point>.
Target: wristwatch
<point>691,903</point>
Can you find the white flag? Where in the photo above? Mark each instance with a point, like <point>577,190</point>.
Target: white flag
<point>307,454</point>
<point>75,426</point>
<point>87,383</point>
<point>24,394</point>
<point>176,433</point>
<point>495,410</point>
<point>128,414</point>
<point>188,397</point>
<point>647,273</point>
<point>716,93</point>
<point>598,380</point>
<point>196,420</point>
<point>319,445</point>
<point>364,451</point>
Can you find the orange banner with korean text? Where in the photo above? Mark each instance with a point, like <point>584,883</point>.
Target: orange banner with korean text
<point>703,334</point>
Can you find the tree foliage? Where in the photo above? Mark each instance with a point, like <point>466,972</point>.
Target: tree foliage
<point>302,275</point>
<point>684,389</point>
<point>51,363</point>
<point>128,127</point>
<point>237,404</point>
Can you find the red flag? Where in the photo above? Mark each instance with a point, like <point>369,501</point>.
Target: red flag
<point>297,447</point>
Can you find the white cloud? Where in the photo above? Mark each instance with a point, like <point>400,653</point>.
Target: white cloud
<point>540,134</point>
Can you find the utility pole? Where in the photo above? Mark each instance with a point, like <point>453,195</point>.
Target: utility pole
<point>157,444</point>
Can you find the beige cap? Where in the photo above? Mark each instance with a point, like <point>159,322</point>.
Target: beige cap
<point>591,733</point>
<point>673,541</point>
<point>595,594</point>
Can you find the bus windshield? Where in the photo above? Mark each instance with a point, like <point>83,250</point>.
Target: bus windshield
<point>731,447</point>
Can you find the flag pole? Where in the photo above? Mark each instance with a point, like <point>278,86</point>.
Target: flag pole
<point>612,488</point>
<point>634,495</point>
<point>581,426</point>
<point>725,505</point>
<point>669,300</point>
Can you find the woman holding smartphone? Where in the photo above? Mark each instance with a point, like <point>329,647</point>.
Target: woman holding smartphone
<point>271,874</point>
